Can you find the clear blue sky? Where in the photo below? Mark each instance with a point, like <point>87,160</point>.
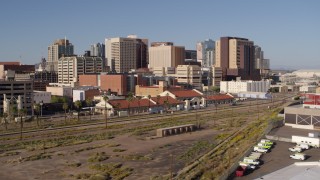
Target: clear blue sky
<point>287,30</point>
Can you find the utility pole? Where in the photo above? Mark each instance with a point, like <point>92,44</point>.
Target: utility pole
<point>171,168</point>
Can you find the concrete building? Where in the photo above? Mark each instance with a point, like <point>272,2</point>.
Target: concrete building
<point>155,90</point>
<point>191,56</point>
<point>260,62</point>
<point>309,89</point>
<point>124,54</point>
<point>84,93</point>
<point>193,99</point>
<point>206,53</point>
<point>244,86</point>
<point>17,70</point>
<point>89,80</point>
<point>41,96</point>
<point>98,50</point>
<point>189,75</point>
<point>13,91</point>
<point>235,56</point>
<point>69,68</point>
<point>164,71</point>
<point>165,54</point>
<point>60,48</point>
<point>43,79</point>
<point>216,76</point>
<point>60,90</point>
<point>119,84</point>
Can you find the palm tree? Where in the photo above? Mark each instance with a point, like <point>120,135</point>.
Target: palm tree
<point>37,111</point>
<point>65,108</point>
<point>149,97</point>
<point>4,117</point>
<point>21,112</point>
<point>89,103</point>
<point>129,99</point>
<point>139,98</point>
<point>158,99</point>
<point>105,98</point>
<point>78,105</point>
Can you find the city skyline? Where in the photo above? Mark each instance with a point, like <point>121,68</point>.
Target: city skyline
<point>286,31</point>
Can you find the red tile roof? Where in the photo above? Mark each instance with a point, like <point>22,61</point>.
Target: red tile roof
<point>185,93</point>
<point>219,97</point>
<point>162,99</point>
<point>124,104</point>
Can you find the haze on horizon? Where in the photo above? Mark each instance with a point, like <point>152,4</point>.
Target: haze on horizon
<point>286,30</point>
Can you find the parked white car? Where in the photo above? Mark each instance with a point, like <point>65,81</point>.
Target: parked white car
<point>300,156</point>
<point>251,166</point>
<point>260,149</point>
<point>251,161</point>
<point>295,149</point>
<point>303,146</point>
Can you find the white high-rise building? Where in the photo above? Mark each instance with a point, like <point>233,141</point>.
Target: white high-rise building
<point>60,47</point>
<point>206,53</point>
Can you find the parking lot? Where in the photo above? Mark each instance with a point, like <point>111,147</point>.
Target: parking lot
<point>279,157</point>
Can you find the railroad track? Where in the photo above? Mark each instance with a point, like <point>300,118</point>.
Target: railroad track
<point>148,117</point>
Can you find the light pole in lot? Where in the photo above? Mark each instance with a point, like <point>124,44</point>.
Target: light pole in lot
<point>41,104</point>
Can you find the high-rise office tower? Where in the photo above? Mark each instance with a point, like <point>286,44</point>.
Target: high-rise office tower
<point>165,54</point>
<point>60,47</point>
<point>260,62</point>
<point>97,50</point>
<point>206,53</point>
<point>124,54</point>
<point>235,56</point>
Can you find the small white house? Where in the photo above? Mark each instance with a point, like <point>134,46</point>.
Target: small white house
<point>41,96</point>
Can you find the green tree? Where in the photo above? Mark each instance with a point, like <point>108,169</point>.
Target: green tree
<point>129,99</point>
<point>215,89</point>
<point>105,98</point>
<point>78,105</point>
<point>89,104</point>
<point>65,107</point>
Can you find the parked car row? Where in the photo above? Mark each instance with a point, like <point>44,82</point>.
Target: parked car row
<point>252,161</point>
<point>298,149</point>
<point>263,146</point>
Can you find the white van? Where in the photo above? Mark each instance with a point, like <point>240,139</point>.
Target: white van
<point>303,146</point>
<point>300,156</point>
<point>260,149</point>
<point>251,161</point>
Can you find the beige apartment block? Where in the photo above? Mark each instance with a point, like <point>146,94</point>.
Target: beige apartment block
<point>69,68</point>
<point>189,74</point>
<point>125,54</point>
<point>166,56</point>
<point>234,52</point>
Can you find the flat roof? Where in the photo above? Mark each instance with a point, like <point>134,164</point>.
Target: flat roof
<point>296,171</point>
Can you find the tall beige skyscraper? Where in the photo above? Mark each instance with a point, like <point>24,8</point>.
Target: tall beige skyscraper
<point>60,47</point>
<point>165,54</point>
<point>124,54</point>
<point>235,57</point>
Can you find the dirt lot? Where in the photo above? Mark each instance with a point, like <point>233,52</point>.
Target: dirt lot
<point>155,153</point>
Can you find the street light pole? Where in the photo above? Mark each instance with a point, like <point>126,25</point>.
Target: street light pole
<point>41,103</point>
